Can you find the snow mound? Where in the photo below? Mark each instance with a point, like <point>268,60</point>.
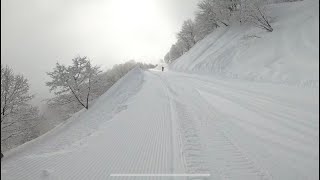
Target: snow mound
<point>72,132</point>
<point>290,54</point>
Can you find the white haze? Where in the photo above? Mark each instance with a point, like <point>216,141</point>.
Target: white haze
<point>35,34</point>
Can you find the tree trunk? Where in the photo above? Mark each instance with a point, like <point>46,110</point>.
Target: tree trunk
<point>224,23</point>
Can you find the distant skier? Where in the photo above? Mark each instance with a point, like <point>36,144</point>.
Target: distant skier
<point>162,68</point>
<point>1,155</point>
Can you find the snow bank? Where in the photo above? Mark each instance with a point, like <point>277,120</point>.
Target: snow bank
<point>84,122</point>
<point>290,54</point>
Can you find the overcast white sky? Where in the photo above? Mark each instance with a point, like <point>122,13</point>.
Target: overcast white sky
<point>35,34</point>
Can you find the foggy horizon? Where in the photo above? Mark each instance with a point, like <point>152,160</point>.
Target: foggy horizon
<point>36,34</point>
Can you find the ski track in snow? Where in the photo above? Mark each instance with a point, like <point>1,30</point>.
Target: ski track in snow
<point>178,123</point>
<point>220,121</point>
<point>280,123</point>
<point>234,164</point>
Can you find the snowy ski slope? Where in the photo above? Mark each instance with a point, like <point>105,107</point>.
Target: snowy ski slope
<point>290,54</point>
<point>158,124</point>
<point>181,123</point>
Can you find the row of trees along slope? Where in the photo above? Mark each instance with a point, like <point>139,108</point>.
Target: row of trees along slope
<point>212,14</point>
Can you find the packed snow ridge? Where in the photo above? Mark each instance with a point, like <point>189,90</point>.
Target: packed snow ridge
<point>200,120</point>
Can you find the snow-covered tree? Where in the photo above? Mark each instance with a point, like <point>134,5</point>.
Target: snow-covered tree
<point>167,58</point>
<point>216,12</point>
<point>187,34</point>
<point>205,24</point>
<point>76,79</point>
<point>18,118</point>
<point>176,50</point>
<point>254,11</point>
<point>14,92</point>
<point>20,127</point>
<point>66,104</point>
<point>29,119</point>
<point>213,14</point>
<point>182,47</point>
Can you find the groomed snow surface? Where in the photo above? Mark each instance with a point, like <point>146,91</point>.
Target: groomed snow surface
<point>162,123</point>
<point>165,122</point>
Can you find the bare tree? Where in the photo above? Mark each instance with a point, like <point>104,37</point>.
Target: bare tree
<point>215,11</point>
<point>76,79</point>
<point>187,34</point>
<point>17,117</point>
<point>176,51</point>
<point>21,127</point>
<point>14,92</point>
<point>254,11</point>
<point>66,104</point>
<point>205,24</point>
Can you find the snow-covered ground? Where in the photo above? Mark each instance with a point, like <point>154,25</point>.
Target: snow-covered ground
<point>290,54</point>
<point>166,122</point>
<point>162,123</point>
